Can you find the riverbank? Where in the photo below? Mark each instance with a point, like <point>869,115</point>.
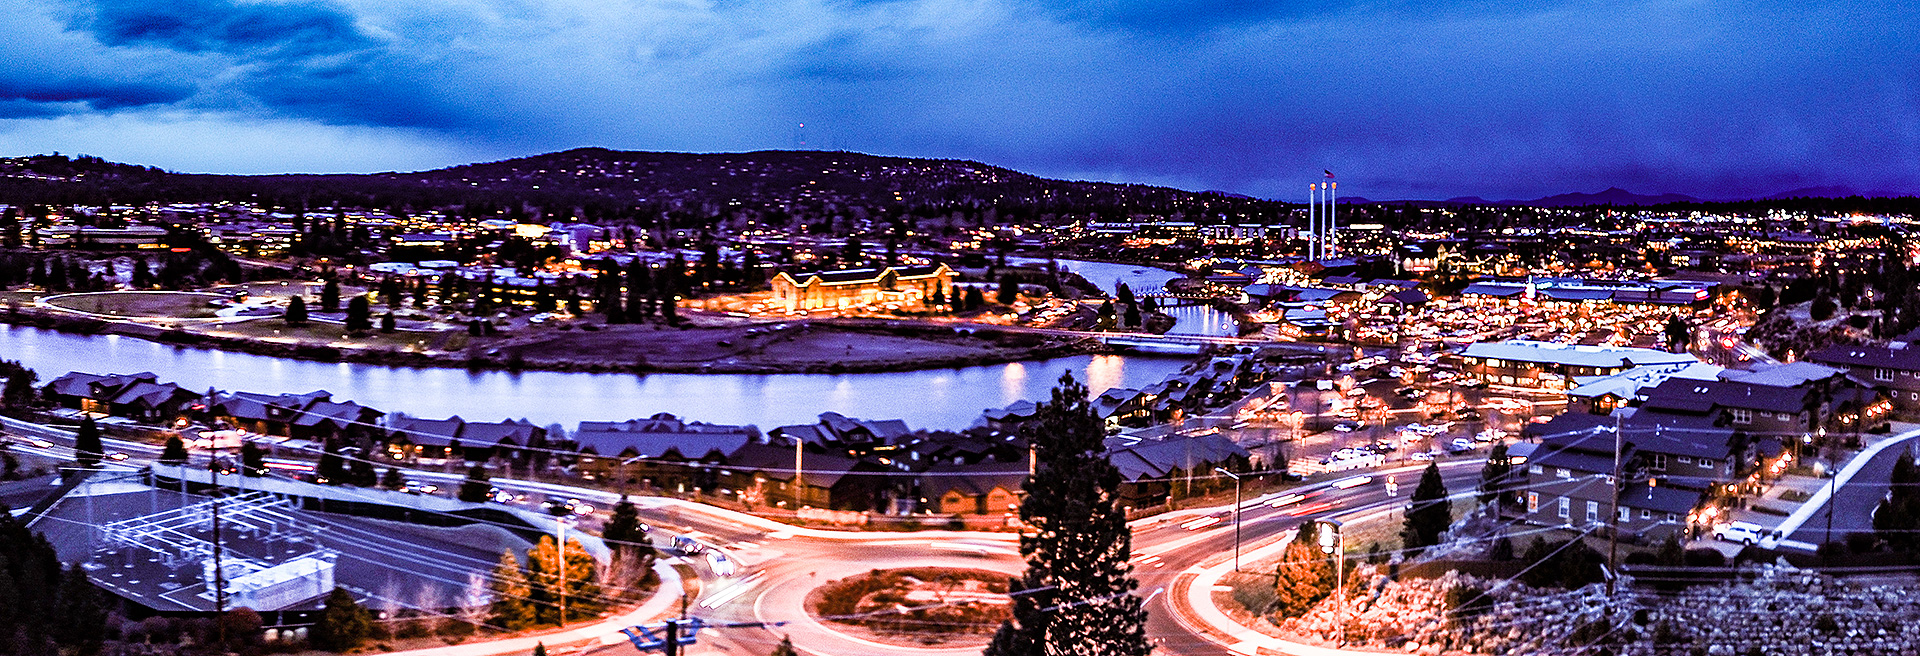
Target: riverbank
<point>802,347</point>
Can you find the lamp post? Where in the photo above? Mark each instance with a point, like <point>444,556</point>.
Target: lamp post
<point>1332,542</point>
<point>1236,514</point>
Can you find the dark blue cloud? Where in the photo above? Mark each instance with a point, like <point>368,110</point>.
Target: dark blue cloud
<point>278,29</point>
<point>1404,98</point>
<point>96,94</point>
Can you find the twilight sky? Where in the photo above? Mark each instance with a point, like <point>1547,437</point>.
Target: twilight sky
<point>1401,98</point>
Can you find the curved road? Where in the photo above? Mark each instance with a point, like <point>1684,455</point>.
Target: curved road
<point>780,564</point>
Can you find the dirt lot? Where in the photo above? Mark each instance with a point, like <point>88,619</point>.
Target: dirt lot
<point>793,347</point>
<point>177,305</point>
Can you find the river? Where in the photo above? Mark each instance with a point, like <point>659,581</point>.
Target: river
<point>1189,319</point>
<point>937,398</point>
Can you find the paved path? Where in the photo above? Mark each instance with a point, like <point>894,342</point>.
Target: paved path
<point>1861,483</point>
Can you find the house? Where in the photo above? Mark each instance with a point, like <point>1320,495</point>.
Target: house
<point>1570,481</point>
<point>981,489</point>
<point>661,451</point>
<point>911,286</point>
<point>763,474</point>
<point>92,392</point>
<point>325,419</point>
<point>1603,394</point>
<point>1151,471</point>
<point>265,414</point>
<point>431,440</point>
<point>149,401</point>
<point>1894,369</point>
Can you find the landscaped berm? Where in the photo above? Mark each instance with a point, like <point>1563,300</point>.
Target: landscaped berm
<point>916,606</point>
<point>154,305</point>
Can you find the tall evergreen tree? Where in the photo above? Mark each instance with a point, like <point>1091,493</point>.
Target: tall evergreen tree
<point>359,314</point>
<point>475,488</point>
<point>330,296</point>
<point>510,608</point>
<point>1077,592</point>
<point>1124,294</point>
<point>253,460</point>
<point>639,285</point>
<point>1428,512</point>
<point>1493,475</point>
<point>81,613</point>
<point>296,311</point>
<point>975,298</point>
<point>785,648</point>
<point>632,550</point>
<point>1009,290</point>
<point>87,449</point>
<point>175,451</point>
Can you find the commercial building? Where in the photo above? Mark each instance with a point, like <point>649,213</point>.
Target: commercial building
<point>908,286</point>
<point>1552,365</point>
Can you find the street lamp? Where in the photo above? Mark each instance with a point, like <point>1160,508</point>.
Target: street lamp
<point>1332,541</point>
<point>1236,515</point>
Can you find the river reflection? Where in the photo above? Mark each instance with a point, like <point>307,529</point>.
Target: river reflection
<point>939,398</point>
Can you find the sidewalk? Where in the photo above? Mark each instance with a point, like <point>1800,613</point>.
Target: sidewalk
<point>604,632</point>
<point>1821,496</point>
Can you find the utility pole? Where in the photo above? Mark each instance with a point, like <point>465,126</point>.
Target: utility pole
<point>1236,515</point>
<point>561,568</point>
<point>1613,536</point>
<point>219,568</point>
<point>799,494</point>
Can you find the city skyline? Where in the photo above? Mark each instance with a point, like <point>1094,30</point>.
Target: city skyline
<point>1411,101</point>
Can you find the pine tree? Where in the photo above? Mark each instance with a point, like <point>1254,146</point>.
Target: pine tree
<point>392,480</point>
<point>1133,314</point>
<point>1493,475</point>
<point>330,296</point>
<point>510,608</point>
<point>632,550</point>
<point>175,451</point>
<point>639,284</point>
<point>785,648</point>
<point>331,468</point>
<point>296,311</point>
<point>388,324</point>
<point>359,314</point>
<point>477,485</point>
<point>1077,585</point>
<point>1009,290</point>
<point>1428,513</point>
<point>975,298</point>
<point>540,649</point>
<point>253,461</point>
<point>81,613</point>
<point>343,623</point>
<point>1124,294</point>
<point>87,449</point>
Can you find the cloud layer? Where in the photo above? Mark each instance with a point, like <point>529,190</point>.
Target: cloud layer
<point>1403,99</point>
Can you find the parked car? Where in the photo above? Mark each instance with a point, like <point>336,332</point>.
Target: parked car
<point>1745,533</point>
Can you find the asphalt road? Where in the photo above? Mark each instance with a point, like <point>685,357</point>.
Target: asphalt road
<point>778,565</point>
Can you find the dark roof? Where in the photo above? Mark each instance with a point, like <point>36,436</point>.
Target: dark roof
<point>656,437</point>
<point>1906,359</point>
<point>1700,396</point>
<point>516,432</point>
<point>1156,458</point>
<point>1660,499</point>
<point>426,432</point>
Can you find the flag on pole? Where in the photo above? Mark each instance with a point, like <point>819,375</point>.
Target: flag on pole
<point>1329,174</point>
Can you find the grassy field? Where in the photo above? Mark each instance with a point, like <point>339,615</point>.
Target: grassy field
<point>275,329</point>
<point>172,305</point>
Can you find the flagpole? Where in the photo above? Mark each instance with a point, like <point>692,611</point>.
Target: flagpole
<point>1313,228</point>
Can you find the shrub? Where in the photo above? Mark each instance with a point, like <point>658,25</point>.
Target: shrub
<point>1254,595</point>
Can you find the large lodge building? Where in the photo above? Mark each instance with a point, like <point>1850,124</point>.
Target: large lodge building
<point>857,287</point>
